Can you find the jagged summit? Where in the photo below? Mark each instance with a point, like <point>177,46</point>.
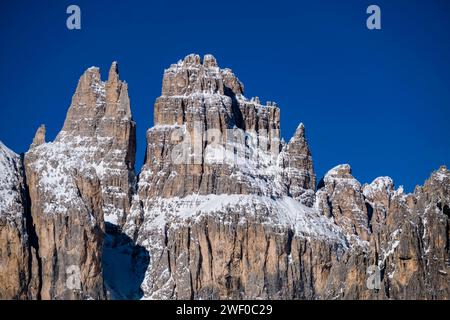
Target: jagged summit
<point>98,131</point>
<point>199,99</point>
<point>299,176</point>
<point>299,134</point>
<point>80,180</point>
<point>95,102</point>
<point>192,76</point>
<point>383,184</point>
<point>300,131</point>
<point>341,170</point>
<point>194,59</point>
<point>39,137</point>
<point>113,74</point>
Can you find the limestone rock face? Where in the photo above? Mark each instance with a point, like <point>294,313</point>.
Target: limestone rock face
<point>100,128</point>
<point>409,253</point>
<point>235,247</point>
<point>15,253</point>
<point>348,208</point>
<point>433,208</point>
<point>217,205</point>
<point>223,208</point>
<point>79,180</point>
<point>209,139</point>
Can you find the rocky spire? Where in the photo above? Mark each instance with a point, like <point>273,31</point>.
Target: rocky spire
<point>100,119</point>
<point>298,175</point>
<point>82,179</point>
<point>113,75</point>
<point>112,89</point>
<point>39,137</point>
<point>299,133</point>
<point>88,104</point>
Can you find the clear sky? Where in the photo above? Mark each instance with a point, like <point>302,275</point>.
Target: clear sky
<point>378,100</point>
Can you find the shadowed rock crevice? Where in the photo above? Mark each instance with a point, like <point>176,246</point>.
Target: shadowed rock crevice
<point>124,264</point>
<point>35,261</point>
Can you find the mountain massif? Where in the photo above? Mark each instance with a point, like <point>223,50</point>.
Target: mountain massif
<point>223,207</point>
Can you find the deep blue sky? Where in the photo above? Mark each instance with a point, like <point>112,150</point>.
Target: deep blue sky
<point>379,100</point>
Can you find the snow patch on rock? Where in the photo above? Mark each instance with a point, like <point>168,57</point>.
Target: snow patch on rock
<point>10,179</point>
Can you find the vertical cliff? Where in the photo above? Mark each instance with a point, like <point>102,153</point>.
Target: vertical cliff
<point>16,255</point>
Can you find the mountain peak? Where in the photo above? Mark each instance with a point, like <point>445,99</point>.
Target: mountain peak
<point>39,137</point>
<point>299,133</point>
<point>339,170</point>
<point>113,75</point>
<point>192,76</point>
<point>192,59</point>
<point>209,61</point>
